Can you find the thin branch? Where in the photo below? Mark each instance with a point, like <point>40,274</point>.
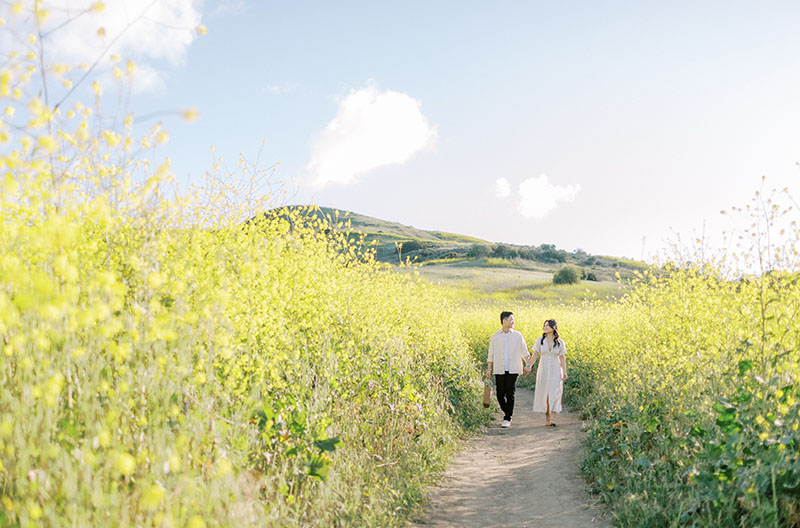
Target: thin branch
<point>68,21</point>
<point>108,48</point>
<point>157,113</point>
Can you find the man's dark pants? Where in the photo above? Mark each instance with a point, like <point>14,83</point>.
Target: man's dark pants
<point>506,385</point>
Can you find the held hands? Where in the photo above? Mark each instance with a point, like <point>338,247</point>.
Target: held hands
<point>526,370</point>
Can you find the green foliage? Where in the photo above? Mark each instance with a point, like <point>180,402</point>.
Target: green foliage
<point>549,253</point>
<point>223,357</point>
<point>694,397</point>
<point>691,384</point>
<point>505,252</point>
<point>411,245</point>
<point>479,251</point>
<point>568,275</point>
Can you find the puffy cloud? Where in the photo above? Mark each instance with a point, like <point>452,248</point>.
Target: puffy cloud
<point>371,129</point>
<point>142,30</point>
<point>538,197</point>
<point>502,188</point>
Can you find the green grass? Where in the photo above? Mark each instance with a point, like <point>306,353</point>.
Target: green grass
<point>444,261</point>
<point>564,293</point>
<point>491,262</point>
<point>626,263</point>
<point>469,280</point>
<point>458,238</point>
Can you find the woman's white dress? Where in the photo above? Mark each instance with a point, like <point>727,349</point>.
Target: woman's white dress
<point>548,376</point>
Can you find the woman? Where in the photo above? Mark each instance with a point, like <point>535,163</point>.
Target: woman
<point>551,373</point>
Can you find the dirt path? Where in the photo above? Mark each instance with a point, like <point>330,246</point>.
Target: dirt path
<point>525,476</point>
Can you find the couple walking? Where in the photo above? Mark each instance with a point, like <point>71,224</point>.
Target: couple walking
<point>509,357</point>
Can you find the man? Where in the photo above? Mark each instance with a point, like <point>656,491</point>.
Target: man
<point>507,349</point>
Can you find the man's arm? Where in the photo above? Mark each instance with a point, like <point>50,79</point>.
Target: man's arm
<point>490,359</point>
<point>525,353</point>
<point>524,349</point>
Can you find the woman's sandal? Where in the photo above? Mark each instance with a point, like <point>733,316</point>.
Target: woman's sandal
<point>551,424</point>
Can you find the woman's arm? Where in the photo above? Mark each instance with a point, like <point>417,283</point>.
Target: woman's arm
<point>563,360</point>
<point>532,358</point>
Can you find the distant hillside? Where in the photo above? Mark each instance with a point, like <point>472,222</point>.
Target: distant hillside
<point>395,243</point>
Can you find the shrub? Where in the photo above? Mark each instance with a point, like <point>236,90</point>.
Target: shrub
<point>568,275</point>
<point>411,245</point>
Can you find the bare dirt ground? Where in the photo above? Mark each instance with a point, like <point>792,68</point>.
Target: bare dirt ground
<point>525,476</point>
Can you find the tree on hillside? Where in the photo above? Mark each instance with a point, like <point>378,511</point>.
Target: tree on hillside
<point>503,251</point>
<point>479,251</point>
<point>527,253</point>
<point>549,253</point>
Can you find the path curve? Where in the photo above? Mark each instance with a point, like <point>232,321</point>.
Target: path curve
<point>525,476</point>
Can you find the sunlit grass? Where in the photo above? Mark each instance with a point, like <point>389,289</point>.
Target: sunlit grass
<point>463,281</point>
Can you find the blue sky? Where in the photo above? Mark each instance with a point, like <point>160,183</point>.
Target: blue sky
<point>609,125</point>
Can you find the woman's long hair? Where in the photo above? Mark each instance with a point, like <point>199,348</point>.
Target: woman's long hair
<point>554,325</point>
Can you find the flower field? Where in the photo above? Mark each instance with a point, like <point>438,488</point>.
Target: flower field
<point>691,386</point>
<point>695,397</point>
<point>182,359</point>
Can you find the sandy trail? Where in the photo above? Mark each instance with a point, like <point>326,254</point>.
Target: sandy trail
<point>525,476</point>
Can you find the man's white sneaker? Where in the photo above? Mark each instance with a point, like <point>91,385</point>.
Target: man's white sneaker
<point>506,423</point>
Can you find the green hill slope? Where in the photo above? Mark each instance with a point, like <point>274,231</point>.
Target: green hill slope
<point>472,268</point>
<point>396,244</point>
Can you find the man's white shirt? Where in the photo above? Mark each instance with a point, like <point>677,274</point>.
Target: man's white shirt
<point>506,352</point>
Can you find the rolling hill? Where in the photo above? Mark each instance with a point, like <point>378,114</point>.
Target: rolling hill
<point>457,258</point>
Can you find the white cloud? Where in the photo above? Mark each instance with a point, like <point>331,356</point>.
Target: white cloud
<point>372,129</point>
<point>538,197</point>
<point>502,188</point>
<point>145,31</point>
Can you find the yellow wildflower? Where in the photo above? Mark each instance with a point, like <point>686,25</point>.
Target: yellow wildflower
<point>125,464</point>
